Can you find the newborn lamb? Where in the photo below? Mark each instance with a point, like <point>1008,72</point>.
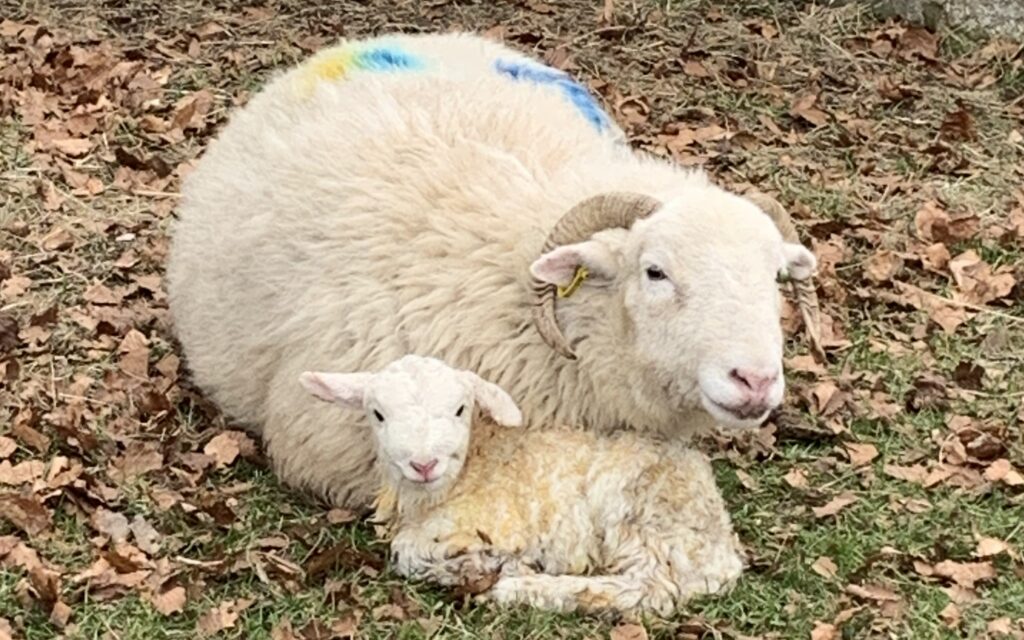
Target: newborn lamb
<point>566,519</point>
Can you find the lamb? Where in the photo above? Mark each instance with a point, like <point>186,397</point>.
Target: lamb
<point>566,519</point>
<point>445,195</point>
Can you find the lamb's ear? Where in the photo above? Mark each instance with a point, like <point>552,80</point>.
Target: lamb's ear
<point>800,262</point>
<point>494,401</point>
<point>347,389</point>
<point>558,266</point>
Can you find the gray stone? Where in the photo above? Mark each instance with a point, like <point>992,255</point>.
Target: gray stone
<point>992,17</point>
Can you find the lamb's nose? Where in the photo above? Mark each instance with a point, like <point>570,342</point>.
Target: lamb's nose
<point>754,383</point>
<point>424,468</point>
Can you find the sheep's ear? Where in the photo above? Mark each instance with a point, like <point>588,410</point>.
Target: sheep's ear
<point>347,389</point>
<point>559,265</point>
<point>494,401</point>
<point>800,262</point>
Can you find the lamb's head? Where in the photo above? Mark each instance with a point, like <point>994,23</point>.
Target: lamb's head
<point>685,288</point>
<point>420,411</point>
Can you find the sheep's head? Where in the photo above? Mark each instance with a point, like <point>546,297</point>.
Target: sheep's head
<point>696,276</point>
<point>420,410</point>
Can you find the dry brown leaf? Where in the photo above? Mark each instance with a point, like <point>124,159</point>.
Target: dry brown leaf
<point>932,222</point>
<point>26,513</point>
<point>824,394</point>
<point>835,505</point>
<point>695,69</point>
<point>944,313</point>
<point>1002,471</point>
<point>965,574</point>
<point>9,339</point>
<point>340,516</point>
<point>346,627</point>
<point>134,355</point>
<point>170,601</point>
<point>958,125</point>
<point>7,447</point>
<point>825,567</point>
<point>223,448</point>
<point>389,611</point>
<point>796,478</point>
<point>111,524</point>
<point>824,631</point>
<point>1000,626</point>
<point>988,547</point>
<point>805,363</point>
<point>628,631</point>
<point>976,279</point>
<point>936,257</point>
<point>58,239</point>
<point>99,293</point>
<point>21,473</point>
<point>804,107</point>
<point>73,147</point>
<point>137,460</point>
<point>221,617</point>
<point>882,266</point>
<point>226,446</point>
<point>146,537</point>
<point>190,112</point>
<point>860,454</point>
<point>920,41</point>
<point>14,287</point>
<point>873,592</point>
<point>950,615</point>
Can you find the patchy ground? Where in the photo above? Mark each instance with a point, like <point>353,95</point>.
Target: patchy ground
<point>886,501</point>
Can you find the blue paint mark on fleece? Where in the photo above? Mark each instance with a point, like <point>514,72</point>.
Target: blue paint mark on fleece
<point>575,92</point>
<point>384,59</point>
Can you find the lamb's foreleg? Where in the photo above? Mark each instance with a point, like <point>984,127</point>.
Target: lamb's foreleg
<point>570,593</point>
<point>448,560</point>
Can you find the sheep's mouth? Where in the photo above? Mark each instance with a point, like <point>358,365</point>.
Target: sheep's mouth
<point>742,416</point>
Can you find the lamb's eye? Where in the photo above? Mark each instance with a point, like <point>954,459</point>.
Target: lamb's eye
<point>458,414</point>
<point>378,415</point>
<point>654,273</point>
<point>782,277</point>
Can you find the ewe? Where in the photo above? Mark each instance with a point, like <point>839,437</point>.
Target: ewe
<point>571,519</point>
<point>427,194</point>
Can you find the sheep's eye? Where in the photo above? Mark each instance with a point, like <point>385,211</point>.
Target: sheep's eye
<point>458,414</point>
<point>782,277</point>
<point>378,415</point>
<point>654,273</point>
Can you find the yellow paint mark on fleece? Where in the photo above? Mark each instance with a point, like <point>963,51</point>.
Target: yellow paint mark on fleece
<point>332,64</point>
<point>328,65</point>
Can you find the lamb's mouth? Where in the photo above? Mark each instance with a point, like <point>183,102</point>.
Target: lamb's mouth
<point>426,485</point>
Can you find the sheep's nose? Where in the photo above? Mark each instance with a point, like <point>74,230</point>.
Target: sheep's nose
<point>424,468</point>
<point>754,383</point>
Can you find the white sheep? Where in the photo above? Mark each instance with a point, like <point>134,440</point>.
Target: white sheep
<point>428,194</point>
<point>572,520</point>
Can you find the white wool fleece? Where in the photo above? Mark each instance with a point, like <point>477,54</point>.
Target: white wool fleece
<point>569,519</point>
<point>393,196</point>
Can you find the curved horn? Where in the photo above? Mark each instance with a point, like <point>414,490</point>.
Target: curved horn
<point>805,291</point>
<point>603,211</point>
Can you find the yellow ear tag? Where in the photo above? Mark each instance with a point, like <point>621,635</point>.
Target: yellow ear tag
<point>577,279</point>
